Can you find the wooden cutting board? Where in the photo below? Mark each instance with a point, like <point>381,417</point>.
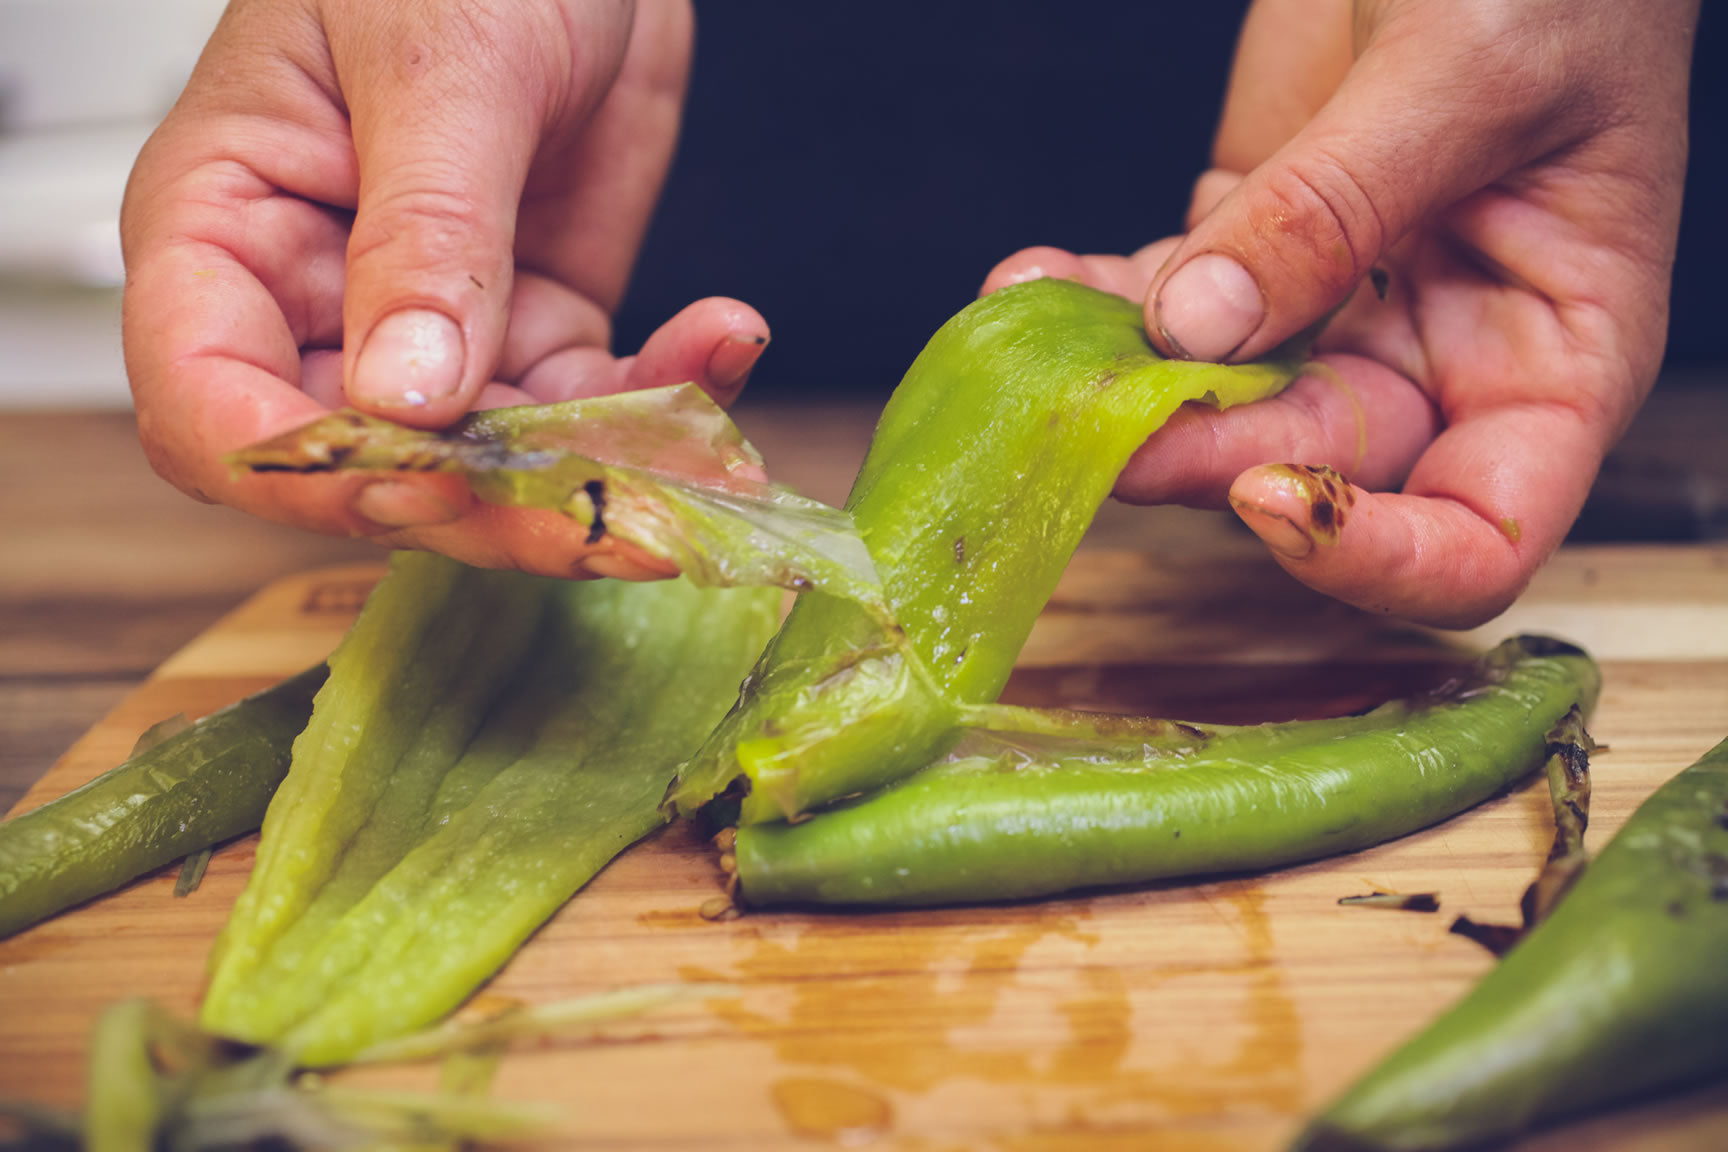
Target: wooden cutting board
<point>1209,1016</point>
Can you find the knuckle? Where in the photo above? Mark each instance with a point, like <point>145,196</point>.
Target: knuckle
<point>1322,214</point>
<point>419,217</point>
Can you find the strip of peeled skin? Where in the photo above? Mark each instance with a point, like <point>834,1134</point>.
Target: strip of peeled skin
<point>663,469</point>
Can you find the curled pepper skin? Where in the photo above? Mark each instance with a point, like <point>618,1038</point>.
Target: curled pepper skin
<point>1021,818</point>
<point>1621,993</point>
<point>197,788</point>
<point>987,466</point>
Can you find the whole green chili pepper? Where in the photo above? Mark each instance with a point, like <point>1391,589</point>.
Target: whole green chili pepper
<point>1621,993</point>
<point>441,846</point>
<point>1030,817</point>
<point>206,783</point>
<point>987,466</point>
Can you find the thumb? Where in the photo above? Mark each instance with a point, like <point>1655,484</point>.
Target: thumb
<point>448,105</point>
<point>1433,109</point>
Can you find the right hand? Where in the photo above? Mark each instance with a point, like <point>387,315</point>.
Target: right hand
<point>417,208</point>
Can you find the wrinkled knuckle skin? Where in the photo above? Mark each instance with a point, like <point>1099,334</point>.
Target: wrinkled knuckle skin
<point>1319,214</point>
<point>441,227</point>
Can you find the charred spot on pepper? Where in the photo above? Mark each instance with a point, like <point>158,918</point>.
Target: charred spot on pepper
<point>1496,938</point>
<point>1536,645</point>
<point>959,549</point>
<point>596,493</point>
<point>1397,901</point>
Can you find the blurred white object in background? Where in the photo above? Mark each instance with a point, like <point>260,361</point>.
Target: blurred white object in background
<point>82,83</point>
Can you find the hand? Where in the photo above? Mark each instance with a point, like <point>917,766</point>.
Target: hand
<point>417,208</point>
<point>1514,170</point>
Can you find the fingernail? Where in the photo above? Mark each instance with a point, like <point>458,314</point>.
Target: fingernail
<point>729,365</point>
<point>392,504</point>
<point>410,359</point>
<point>1209,307</point>
<point>1276,531</point>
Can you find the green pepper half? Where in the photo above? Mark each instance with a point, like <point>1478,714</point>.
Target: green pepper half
<point>987,467</point>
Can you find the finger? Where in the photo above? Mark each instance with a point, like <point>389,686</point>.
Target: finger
<point>448,105</point>
<point>1347,413</point>
<point>1402,138</point>
<point>1209,191</point>
<point>714,343</point>
<point>1485,506</point>
<point>1120,275</point>
<point>585,210</point>
<point>213,356</point>
<point>540,541</point>
<point>1291,56</point>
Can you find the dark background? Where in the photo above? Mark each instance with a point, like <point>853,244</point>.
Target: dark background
<point>854,169</point>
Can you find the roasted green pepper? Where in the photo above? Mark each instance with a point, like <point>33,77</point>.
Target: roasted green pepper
<point>1621,993</point>
<point>486,743</point>
<point>987,466</point>
<point>199,787</point>
<point>1008,818</point>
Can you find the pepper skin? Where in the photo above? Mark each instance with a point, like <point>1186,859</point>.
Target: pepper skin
<point>487,742</point>
<point>987,466</point>
<point>1048,815</point>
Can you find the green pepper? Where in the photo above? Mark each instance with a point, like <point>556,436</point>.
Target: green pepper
<point>486,743</point>
<point>1619,994</point>
<point>1009,817</point>
<point>409,686</point>
<point>205,784</point>
<point>987,466</point>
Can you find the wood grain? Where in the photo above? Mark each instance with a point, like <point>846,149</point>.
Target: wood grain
<point>1209,1016</point>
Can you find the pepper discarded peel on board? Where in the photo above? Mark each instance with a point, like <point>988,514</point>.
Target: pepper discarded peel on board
<point>663,469</point>
<point>204,784</point>
<point>486,743</point>
<point>157,1082</point>
<point>1011,818</point>
<point>1620,994</point>
<point>987,466</point>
